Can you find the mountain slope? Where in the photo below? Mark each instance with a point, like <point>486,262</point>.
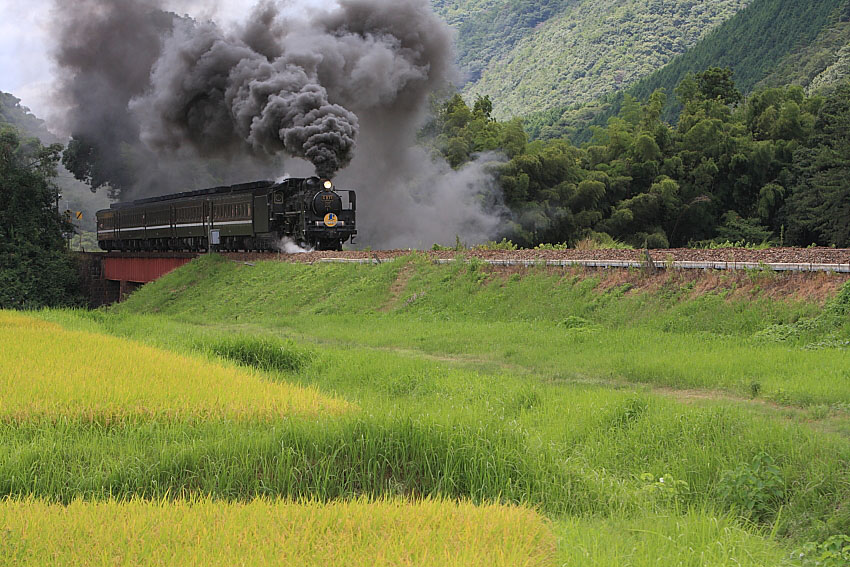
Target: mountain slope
<point>590,48</point>
<point>76,196</point>
<point>489,29</point>
<point>755,44</point>
<point>752,44</point>
<point>819,64</point>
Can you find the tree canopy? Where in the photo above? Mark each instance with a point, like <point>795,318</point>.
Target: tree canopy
<point>769,168</point>
<point>35,268</point>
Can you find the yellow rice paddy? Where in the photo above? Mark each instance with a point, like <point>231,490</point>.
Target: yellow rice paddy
<point>52,373</point>
<point>373,534</point>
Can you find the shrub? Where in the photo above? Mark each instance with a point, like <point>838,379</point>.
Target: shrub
<point>754,490</point>
<point>834,552</point>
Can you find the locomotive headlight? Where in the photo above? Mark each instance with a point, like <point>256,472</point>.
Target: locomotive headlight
<point>328,185</point>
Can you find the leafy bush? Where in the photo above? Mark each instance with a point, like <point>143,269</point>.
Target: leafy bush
<point>548,246</point>
<point>754,490</point>
<point>505,244</point>
<point>458,247</point>
<point>834,552</point>
<point>601,241</point>
<point>720,244</point>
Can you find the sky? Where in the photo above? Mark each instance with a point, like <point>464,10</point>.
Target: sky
<point>25,42</point>
<point>24,63</point>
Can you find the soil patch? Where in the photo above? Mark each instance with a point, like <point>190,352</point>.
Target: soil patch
<point>398,287</point>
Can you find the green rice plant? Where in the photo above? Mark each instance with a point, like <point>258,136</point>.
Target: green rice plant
<point>272,532</point>
<point>325,460</point>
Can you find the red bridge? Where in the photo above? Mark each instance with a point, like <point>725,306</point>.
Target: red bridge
<point>108,278</point>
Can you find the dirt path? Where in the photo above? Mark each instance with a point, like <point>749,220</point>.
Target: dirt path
<point>398,287</point>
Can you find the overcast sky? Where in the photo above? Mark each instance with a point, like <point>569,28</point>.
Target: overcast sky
<point>25,67</point>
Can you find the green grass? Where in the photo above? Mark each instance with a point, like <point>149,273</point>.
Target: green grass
<point>435,428</point>
<point>666,338</point>
<point>540,389</point>
<point>692,539</point>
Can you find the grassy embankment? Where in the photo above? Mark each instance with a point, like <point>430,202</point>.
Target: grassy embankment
<point>562,326</point>
<point>519,389</point>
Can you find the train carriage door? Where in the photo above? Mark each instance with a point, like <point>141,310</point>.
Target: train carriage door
<point>261,213</point>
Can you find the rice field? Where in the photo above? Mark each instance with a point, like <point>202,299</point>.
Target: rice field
<point>264,532</point>
<point>624,427</point>
<point>47,372</point>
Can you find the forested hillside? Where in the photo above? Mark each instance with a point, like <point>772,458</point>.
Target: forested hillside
<point>594,48</point>
<point>752,44</point>
<point>35,269</point>
<point>489,29</point>
<point>823,62</point>
<point>771,42</point>
<point>768,169</point>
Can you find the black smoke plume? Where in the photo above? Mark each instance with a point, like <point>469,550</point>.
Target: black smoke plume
<point>217,95</point>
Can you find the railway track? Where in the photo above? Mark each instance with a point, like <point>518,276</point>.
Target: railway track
<point>777,259</point>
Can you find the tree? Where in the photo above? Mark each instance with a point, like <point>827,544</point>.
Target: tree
<point>717,84</point>
<point>819,207</point>
<point>35,268</point>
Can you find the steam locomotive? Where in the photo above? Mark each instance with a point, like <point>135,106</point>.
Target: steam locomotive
<point>250,216</point>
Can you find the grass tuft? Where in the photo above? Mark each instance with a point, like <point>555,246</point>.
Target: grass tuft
<point>265,353</point>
